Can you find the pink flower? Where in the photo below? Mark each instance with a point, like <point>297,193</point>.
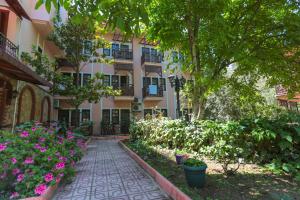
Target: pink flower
<point>48,177</point>
<point>61,158</point>
<point>60,165</point>
<point>40,189</point>
<point>37,146</point>
<point>57,154</point>
<point>14,160</point>
<point>15,171</point>
<point>2,176</point>
<point>43,149</point>
<point>49,158</point>
<point>61,175</point>
<point>42,139</point>
<point>29,160</point>
<point>24,134</point>
<point>2,147</point>
<point>14,195</point>
<point>20,177</point>
<point>33,129</point>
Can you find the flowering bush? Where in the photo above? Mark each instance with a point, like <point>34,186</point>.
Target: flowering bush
<point>35,158</point>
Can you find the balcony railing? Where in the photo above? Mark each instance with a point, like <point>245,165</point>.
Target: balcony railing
<point>127,90</point>
<point>153,58</point>
<point>124,54</point>
<point>8,47</point>
<point>159,92</point>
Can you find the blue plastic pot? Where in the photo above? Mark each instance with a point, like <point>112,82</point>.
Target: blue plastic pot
<point>195,176</point>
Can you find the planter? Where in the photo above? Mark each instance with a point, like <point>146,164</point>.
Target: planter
<point>180,158</point>
<point>195,176</point>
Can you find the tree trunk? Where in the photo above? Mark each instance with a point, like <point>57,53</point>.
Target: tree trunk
<point>199,103</point>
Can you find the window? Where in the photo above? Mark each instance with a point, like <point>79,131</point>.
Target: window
<point>146,81</point>
<point>106,115</point>
<point>87,47</point>
<point>86,78</point>
<point>63,116</point>
<point>115,116</point>
<point>75,78</point>
<point>115,81</point>
<point>106,51</point>
<point>106,80</point>
<point>163,83</point>
<point>85,115</point>
<point>147,112</point>
<point>154,81</point>
<point>124,47</point>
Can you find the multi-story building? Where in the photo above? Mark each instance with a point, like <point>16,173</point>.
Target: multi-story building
<point>284,100</point>
<point>139,71</point>
<point>23,94</point>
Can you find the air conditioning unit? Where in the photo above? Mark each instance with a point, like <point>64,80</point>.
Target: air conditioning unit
<point>136,105</point>
<point>56,103</point>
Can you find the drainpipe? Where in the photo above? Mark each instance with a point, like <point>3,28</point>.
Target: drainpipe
<point>15,108</point>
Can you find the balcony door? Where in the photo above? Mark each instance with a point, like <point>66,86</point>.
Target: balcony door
<point>124,81</point>
<point>4,21</point>
<point>125,121</point>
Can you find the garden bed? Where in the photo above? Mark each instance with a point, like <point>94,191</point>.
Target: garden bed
<point>250,182</point>
<point>35,159</point>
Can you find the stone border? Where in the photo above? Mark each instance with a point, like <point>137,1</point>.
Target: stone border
<point>164,183</point>
<point>52,189</point>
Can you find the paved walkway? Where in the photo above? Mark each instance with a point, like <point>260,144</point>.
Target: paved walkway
<point>107,172</point>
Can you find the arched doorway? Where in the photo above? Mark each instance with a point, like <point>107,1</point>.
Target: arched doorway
<point>45,109</point>
<point>26,108</point>
<point>5,100</point>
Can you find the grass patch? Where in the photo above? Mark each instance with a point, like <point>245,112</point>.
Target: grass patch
<point>251,181</point>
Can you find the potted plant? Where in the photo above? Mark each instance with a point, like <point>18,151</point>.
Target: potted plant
<point>180,155</point>
<point>195,172</point>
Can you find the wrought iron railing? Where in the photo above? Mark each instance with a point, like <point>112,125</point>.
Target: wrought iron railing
<point>124,54</point>
<point>127,90</point>
<point>153,58</point>
<point>148,93</point>
<point>8,47</point>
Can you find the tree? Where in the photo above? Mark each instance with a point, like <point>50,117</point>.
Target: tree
<point>260,38</point>
<point>92,91</point>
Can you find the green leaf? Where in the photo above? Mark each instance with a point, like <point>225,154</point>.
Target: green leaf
<point>48,5</point>
<point>38,4</point>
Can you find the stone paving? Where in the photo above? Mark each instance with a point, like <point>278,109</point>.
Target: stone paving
<point>107,172</point>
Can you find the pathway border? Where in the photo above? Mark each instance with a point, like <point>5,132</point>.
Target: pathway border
<point>164,183</point>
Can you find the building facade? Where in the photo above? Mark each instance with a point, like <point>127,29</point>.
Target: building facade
<point>24,94</point>
<point>139,70</point>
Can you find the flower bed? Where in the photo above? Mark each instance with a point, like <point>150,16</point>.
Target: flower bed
<point>36,158</point>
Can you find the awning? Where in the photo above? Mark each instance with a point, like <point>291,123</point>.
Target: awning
<point>14,68</point>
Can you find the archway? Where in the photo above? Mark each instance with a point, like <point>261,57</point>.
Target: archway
<point>26,107</point>
<point>45,109</point>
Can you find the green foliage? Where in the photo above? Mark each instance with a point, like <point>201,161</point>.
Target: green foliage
<point>33,153</point>
<point>191,162</point>
<point>261,140</point>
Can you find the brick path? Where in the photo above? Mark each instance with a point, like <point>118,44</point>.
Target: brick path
<point>106,172</point>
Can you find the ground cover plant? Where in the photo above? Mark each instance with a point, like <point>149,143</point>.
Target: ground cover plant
<point>250,181</point>
<point>34,158</point>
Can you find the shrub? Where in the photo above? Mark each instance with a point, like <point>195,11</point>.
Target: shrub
<point>274,140</point>
<point>35,158</point>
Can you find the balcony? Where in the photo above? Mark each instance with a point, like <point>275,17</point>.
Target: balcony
<point>153,93</point>
<point>11,66</point>
<point>127,93</point>
<point>122,55</point>
<point>152,59</point>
